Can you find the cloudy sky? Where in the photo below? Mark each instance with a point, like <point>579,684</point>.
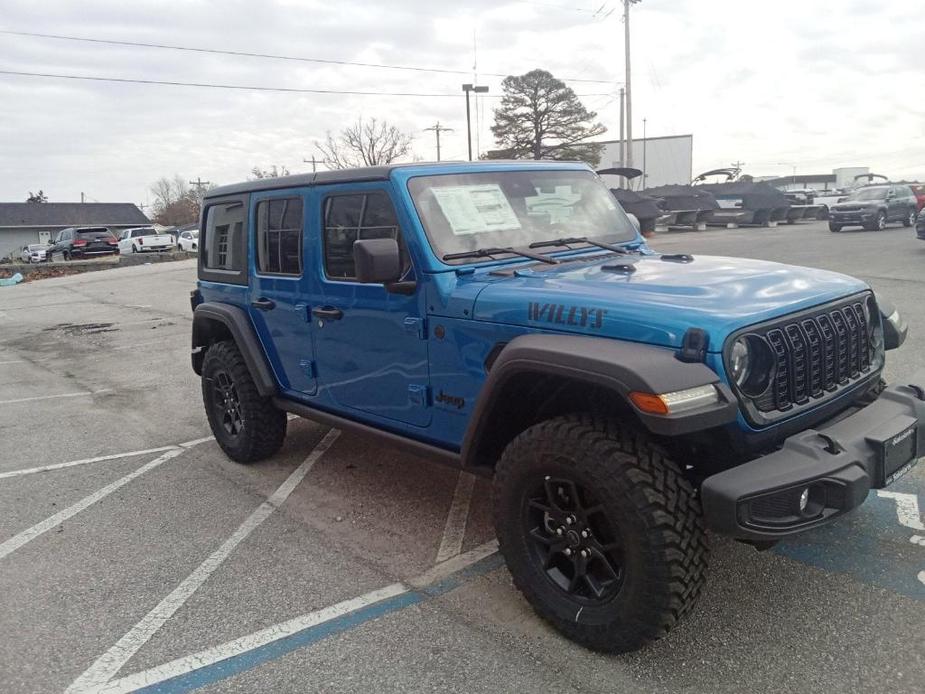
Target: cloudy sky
<point>812,85</point>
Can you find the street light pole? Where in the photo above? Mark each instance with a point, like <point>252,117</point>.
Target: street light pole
<point>478,89</point>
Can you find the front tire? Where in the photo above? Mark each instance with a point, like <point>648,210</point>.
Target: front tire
<point>834,227</point>
<point>909,219</point>
<point>246,425</point>
<point>879,224</point>
<point>600,531</point>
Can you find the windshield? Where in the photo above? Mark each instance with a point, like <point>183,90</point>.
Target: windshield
<point>36,247</point>
<point>465,212</point>
<point>869,194</point>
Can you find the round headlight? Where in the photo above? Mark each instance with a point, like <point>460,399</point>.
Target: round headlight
<point>739,361</point>
<point>751,365</point>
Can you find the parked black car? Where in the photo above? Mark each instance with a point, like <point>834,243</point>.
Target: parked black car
<point>873,207</point>
<point>83,242</point>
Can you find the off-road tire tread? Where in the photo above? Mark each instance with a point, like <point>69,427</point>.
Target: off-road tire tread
<point>622,461</point>
<point>264,424</point>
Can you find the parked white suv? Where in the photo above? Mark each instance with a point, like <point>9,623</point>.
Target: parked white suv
<point>141,239</point>
<point>188,241</point>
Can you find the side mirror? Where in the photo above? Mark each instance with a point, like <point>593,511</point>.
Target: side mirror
<point>377,261</point>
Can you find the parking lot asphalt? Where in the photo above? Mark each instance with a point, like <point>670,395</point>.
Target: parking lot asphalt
<point>144,558</point>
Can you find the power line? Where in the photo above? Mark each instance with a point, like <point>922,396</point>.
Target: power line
<point>272,56</point>
<point>242,87</point>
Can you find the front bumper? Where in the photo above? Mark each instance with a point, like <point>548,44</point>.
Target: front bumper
<point>861,217</point>
<point>838,464</point>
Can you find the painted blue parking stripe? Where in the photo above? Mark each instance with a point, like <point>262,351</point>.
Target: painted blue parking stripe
<point>248,660</point>
<point>869,545</point>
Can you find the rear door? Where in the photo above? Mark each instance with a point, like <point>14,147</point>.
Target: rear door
<point>277,296</point>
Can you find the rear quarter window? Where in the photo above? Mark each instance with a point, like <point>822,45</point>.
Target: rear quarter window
<point>223,249</point>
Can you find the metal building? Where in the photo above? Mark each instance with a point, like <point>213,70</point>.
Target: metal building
<point>663,160</point>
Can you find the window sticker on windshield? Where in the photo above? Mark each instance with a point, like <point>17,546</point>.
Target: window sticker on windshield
<point>476,209</point>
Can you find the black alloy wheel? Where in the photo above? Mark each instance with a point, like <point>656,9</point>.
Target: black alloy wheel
<point>573,541</point>
<point>227,404</point>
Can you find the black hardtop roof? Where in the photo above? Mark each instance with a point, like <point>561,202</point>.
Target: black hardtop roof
<point>358,175</point>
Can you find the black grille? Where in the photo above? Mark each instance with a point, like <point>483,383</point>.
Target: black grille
<point>814,354</point>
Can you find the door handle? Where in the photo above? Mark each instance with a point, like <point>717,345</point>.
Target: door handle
<point>327,313</point>
<point>264,304</point>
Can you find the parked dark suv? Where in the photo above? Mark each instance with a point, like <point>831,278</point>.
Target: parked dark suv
<point>873,207</point>
<point>83,242</point>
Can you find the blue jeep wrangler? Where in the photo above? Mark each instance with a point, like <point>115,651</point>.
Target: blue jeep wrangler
<point>508,319</point>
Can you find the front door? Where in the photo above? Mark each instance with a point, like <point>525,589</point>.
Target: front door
<point>370,344</point>
<point>276,299</point>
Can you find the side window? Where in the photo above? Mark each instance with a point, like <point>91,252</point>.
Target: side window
<point>349,218</point>
<point>279,236</point>
<point>224,231</point>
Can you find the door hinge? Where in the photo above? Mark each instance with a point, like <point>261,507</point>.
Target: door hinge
<point>417,326</point>
<point>419,394</point>
<point>308,367</point>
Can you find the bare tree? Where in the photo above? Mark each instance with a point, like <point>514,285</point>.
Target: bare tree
<point>37,197</point>
<point>175,203</point>
<point>365,143</point>
<point>272,172</point>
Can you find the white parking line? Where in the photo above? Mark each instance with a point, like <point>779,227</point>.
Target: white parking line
<point>907,508</point>
<point>61,395</point>
<point>277,632</point>
<point>87,461</point>
<point>454,531</point>
<point>13,361</point>
<point>108,665</point>
<point>30,534</point>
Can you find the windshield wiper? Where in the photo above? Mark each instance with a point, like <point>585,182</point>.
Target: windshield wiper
<point>485,252</point>
<point>579,239</point>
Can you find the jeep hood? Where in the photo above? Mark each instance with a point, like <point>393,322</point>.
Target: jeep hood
<point>660,300</point>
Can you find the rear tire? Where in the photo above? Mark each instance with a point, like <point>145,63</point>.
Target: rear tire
<point>909,219</point>
<point>645,555</point>
<point>834,227</point>
<point>246,425</point>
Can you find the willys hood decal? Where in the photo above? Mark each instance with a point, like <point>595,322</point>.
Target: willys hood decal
<point>655,301</point>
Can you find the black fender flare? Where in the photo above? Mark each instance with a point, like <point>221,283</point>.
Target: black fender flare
<point>620,366</point>
<point>238,325</point>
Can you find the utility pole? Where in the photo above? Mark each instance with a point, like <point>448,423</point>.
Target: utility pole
<point>200,184</point>
<point>629,82</point>
<point>314,162</point>
<point>437,129</point>
<point>644,174</point>
<point>81,198</point>
<point>622,128</point>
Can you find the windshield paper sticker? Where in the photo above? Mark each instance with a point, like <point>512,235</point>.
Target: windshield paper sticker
<point>476,209</point>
